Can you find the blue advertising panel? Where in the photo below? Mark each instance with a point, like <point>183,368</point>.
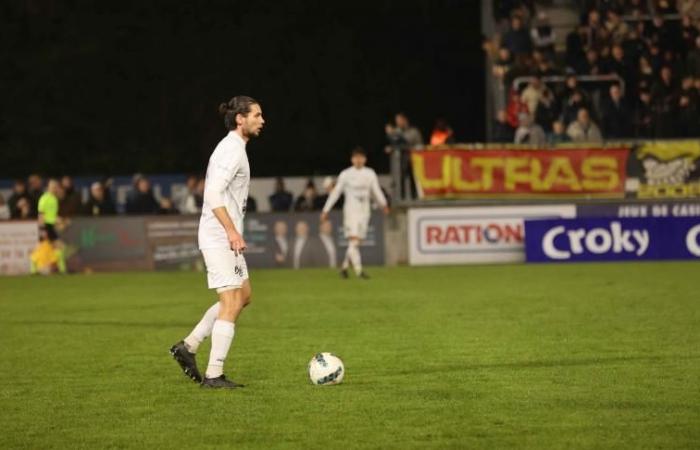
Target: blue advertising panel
<point>611,239</point>
<point>690,208</point>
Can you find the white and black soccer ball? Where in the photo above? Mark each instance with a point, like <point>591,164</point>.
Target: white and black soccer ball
<point>326,368</point>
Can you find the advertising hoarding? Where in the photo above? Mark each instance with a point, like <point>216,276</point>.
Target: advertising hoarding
<point>473,234</point>
<point>611,239</point>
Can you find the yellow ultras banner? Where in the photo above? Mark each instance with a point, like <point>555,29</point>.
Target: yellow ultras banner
<point>520,173</point>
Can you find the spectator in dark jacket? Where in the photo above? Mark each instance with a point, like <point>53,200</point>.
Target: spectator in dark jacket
<point>558,134</point>
<point>687,113</point>
<point>547,110</point>
<point>502,130</point>
<point>281,199</point>
<point>616,114</point>
<point>663,96</point>
<point>643,118</point>
<point>35,189</point>
<point>692,61</point>
<point>70,205</point>
<point>143,201</point>
<point>305,202</point>
<point>19,192</point>
<point>99,203</point>
<point>517,39</point>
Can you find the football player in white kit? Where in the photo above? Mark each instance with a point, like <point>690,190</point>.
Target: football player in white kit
<point>221,243</point>
<point>358,183</point>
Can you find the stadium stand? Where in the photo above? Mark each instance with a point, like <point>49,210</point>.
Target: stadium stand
<point>634,65</point>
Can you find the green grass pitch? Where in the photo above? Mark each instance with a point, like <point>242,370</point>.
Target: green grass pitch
<point>522,356</point>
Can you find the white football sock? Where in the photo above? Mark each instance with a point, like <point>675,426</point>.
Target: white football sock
<point>203,329</point>
<point>346,260</point>
<point>221,337</point>
<point>354,255</point>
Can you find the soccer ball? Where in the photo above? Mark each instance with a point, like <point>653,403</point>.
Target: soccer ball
<point>326,368</point>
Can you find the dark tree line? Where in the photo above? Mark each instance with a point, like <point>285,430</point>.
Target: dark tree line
<point>123,86</point>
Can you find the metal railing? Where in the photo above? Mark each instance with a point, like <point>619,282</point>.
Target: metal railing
<point>611,78</point>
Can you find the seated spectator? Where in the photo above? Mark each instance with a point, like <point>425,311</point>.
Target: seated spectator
<point>547,110</point>
<point>532,93</point>
<point>281,199</point>
<point>663,95</point>
<point>517,40</point>
<point>251,204</point>
<point>687,109</point>
<point>576,43</point>
<point>529,133</point>
<point>689,32</point>
<point>4,208</point>
<point>99,203</point>
<point>24,209</point>
<point>502,130</point>
<point>616,114</point>
<point>692,61</point>
<point>199,194</point>
<point>591,65</point>
<point>617,64</point>
<point>305,202</point>
<point>634,48</point>
<point>558,134</point>
<point>543,36</point>
<point>617,27</point>
<point>545,69</point>
<point>502,63</point>
<point>143,201</point>
<point>645,77</point>
<point>442,133</point>
<point>515,108</point>
<point>70,202</point>
<point>186,201</point>
<point>572,106</point>
<point>642,120</point>
<point>583,129</point>
<point>35,189</point>
<point>19,192</point>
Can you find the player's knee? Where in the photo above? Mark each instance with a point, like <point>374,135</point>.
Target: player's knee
<point>247,298</point>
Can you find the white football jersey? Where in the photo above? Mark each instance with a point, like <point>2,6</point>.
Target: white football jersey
<point>228,179</point>
<point>358,186</point>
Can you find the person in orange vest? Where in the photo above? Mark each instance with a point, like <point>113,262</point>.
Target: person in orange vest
<point>442,133</point>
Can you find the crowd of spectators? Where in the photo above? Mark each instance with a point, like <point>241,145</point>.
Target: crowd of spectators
<point>22,204</point>
<point>648,49</point>
<point>24,200</point>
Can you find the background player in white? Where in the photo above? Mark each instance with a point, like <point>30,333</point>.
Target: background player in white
<point>221,242</point>
<point>358,183</point>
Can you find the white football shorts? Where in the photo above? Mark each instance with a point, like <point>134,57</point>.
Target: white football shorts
<point>355,226</point>
<point>224,268</point>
